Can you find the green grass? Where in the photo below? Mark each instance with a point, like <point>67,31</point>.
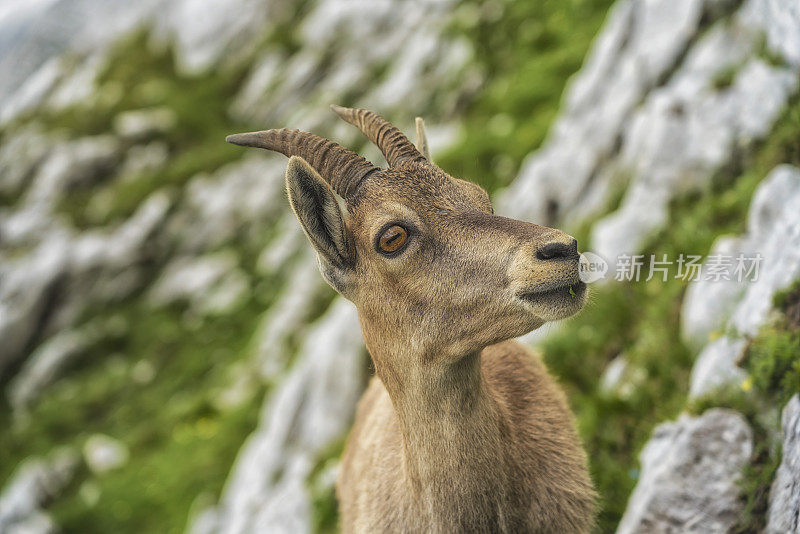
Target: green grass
<point>527,51</point>
<point>140,76</point>
<point>182,443</point>
<point>325,507</point>
<point>182,440</point>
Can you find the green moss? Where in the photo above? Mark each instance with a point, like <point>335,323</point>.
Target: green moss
<point>773,357</point>
<point>788,297</point>
<point>723,78</point>
<point>774,362</point>
<point>769,56</point>
<point>527,51</point>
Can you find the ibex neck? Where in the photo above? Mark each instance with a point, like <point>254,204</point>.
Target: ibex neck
<point>454,438</point>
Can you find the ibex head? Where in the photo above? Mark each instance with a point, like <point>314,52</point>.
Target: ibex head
<point>421,253</point>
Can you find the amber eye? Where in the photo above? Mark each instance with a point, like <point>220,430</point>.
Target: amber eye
<point>392,239</point>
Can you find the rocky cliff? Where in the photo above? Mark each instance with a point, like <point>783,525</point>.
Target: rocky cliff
<point>171,359</point>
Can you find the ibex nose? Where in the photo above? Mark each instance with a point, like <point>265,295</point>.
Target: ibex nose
<point>558,251</point>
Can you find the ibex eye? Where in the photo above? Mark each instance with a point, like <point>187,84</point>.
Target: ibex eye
<point>392,239</point>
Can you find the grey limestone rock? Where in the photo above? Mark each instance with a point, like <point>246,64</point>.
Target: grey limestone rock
<point>689,476</point>
<point>783,516</point>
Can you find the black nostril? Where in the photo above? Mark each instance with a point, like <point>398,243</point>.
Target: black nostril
<point>557,251</point>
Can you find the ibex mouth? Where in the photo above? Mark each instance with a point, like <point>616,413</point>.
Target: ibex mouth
<point>564,292</point>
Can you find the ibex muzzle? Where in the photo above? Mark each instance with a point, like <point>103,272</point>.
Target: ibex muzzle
<point>463,431</point>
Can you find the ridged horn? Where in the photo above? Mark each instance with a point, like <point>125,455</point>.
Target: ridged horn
<point>342,169</point>
<point>394,145</point>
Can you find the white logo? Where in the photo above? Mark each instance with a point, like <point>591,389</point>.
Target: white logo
<point>592,268</point>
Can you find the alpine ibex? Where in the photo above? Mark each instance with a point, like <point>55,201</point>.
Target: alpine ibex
<point>462,429</point>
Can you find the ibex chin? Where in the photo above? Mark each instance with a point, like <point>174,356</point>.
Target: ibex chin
<point>462,429</point>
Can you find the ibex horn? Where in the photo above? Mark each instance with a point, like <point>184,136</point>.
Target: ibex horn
<point>394,145</point>
<point>422,139</point>
<point>342,169</point>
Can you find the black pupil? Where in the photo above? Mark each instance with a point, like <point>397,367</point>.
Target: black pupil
<point>393,238</point>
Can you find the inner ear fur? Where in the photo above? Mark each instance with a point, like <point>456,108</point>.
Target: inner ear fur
<point>316,207</point>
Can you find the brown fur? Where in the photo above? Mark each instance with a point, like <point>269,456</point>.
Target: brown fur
<point>461,430</point>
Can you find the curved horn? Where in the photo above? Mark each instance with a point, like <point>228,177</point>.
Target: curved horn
<point>394,145</point>
<point>342,169</point>
<point>422,139</point>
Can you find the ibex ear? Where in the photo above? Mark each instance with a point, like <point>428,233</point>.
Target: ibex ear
<point>315,205</point>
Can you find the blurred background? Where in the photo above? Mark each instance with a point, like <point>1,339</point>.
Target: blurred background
<point>170,358</point>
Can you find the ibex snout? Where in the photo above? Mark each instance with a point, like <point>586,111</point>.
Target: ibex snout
<point>544,275</point>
